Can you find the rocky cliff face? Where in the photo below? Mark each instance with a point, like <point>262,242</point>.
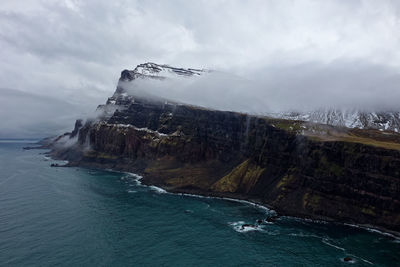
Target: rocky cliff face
<point>299,169</point>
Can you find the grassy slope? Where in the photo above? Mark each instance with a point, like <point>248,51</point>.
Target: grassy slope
<point>372,137</point>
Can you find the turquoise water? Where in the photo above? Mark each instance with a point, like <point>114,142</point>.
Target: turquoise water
<point>81,217</point>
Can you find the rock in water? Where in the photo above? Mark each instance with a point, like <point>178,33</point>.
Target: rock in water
<point>347,259</point>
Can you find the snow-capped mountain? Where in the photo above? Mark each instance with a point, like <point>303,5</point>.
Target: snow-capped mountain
<point>143,72</point>
<point>351,118</point>
<point>156,71</point>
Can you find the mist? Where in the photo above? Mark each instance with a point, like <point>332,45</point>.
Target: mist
<point>25,115</point>
<point>304,87</point>
<point>267,55</point>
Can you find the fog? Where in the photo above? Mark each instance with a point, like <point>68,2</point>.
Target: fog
<point>61,58</point>
<point>303,87</point>
<point>25,115</point>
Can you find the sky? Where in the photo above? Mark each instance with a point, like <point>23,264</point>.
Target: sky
<point>59,59</point>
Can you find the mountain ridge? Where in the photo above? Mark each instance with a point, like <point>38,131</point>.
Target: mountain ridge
<point>158,71</point>
<point>350,118</point>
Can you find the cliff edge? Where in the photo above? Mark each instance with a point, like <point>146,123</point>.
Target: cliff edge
<point>298,168</point>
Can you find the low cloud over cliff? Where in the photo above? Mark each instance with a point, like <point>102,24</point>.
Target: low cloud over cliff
<point>289,54</point>
<point>277,88</point>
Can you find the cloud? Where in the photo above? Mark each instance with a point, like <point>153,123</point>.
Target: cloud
<point>302,87</point>
<point>74,50</point>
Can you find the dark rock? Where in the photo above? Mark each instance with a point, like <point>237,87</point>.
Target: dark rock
<point>77,127</point>
<point>127,75</point>
<point>57,165</point>
<point>346,259</point>
<point>270,219</point>
<point>259,221</point>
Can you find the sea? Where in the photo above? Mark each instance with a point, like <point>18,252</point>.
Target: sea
<point>56,216</point>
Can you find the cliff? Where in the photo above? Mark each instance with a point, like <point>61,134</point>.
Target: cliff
<point>297,168</point>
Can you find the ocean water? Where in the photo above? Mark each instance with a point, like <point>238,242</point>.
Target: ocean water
<point>83,217</point>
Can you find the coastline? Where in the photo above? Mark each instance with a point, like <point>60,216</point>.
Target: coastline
<point>231,197</point>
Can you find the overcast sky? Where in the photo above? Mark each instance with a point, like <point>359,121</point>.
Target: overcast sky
<point>60,59</point>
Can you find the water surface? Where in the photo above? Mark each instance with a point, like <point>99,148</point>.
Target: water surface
<point>75,216</point>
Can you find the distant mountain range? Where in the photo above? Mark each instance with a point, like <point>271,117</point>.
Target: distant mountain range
<point>351,118</point>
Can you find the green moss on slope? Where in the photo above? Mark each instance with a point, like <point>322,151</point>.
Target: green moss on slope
<point>243,177</point>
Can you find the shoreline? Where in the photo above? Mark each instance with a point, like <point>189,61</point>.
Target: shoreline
<point>263,206</point>
<point>237,198</point>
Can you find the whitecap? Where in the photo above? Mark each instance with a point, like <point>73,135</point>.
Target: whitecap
<point>157,189</point>
<point>192,195</point>
<point>325,241</point>
<point>250,203</point>
<point>238,227</point>
<point>269,211</point>
<point>137,178</point>
<point>373,230</point>
<point>301,234</point>
<point>133,176</point>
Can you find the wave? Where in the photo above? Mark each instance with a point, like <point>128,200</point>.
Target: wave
<point>301,234</point>
<point>373,230</point>
<point>329,242</point>
<point>138,177</point>
<point>269,211</point>
<point>305,220</point>
<point>135,177</point>
<point>8,178</point>
<point>157,189</point>
<point>325,241</point>
<point>240,227</point>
